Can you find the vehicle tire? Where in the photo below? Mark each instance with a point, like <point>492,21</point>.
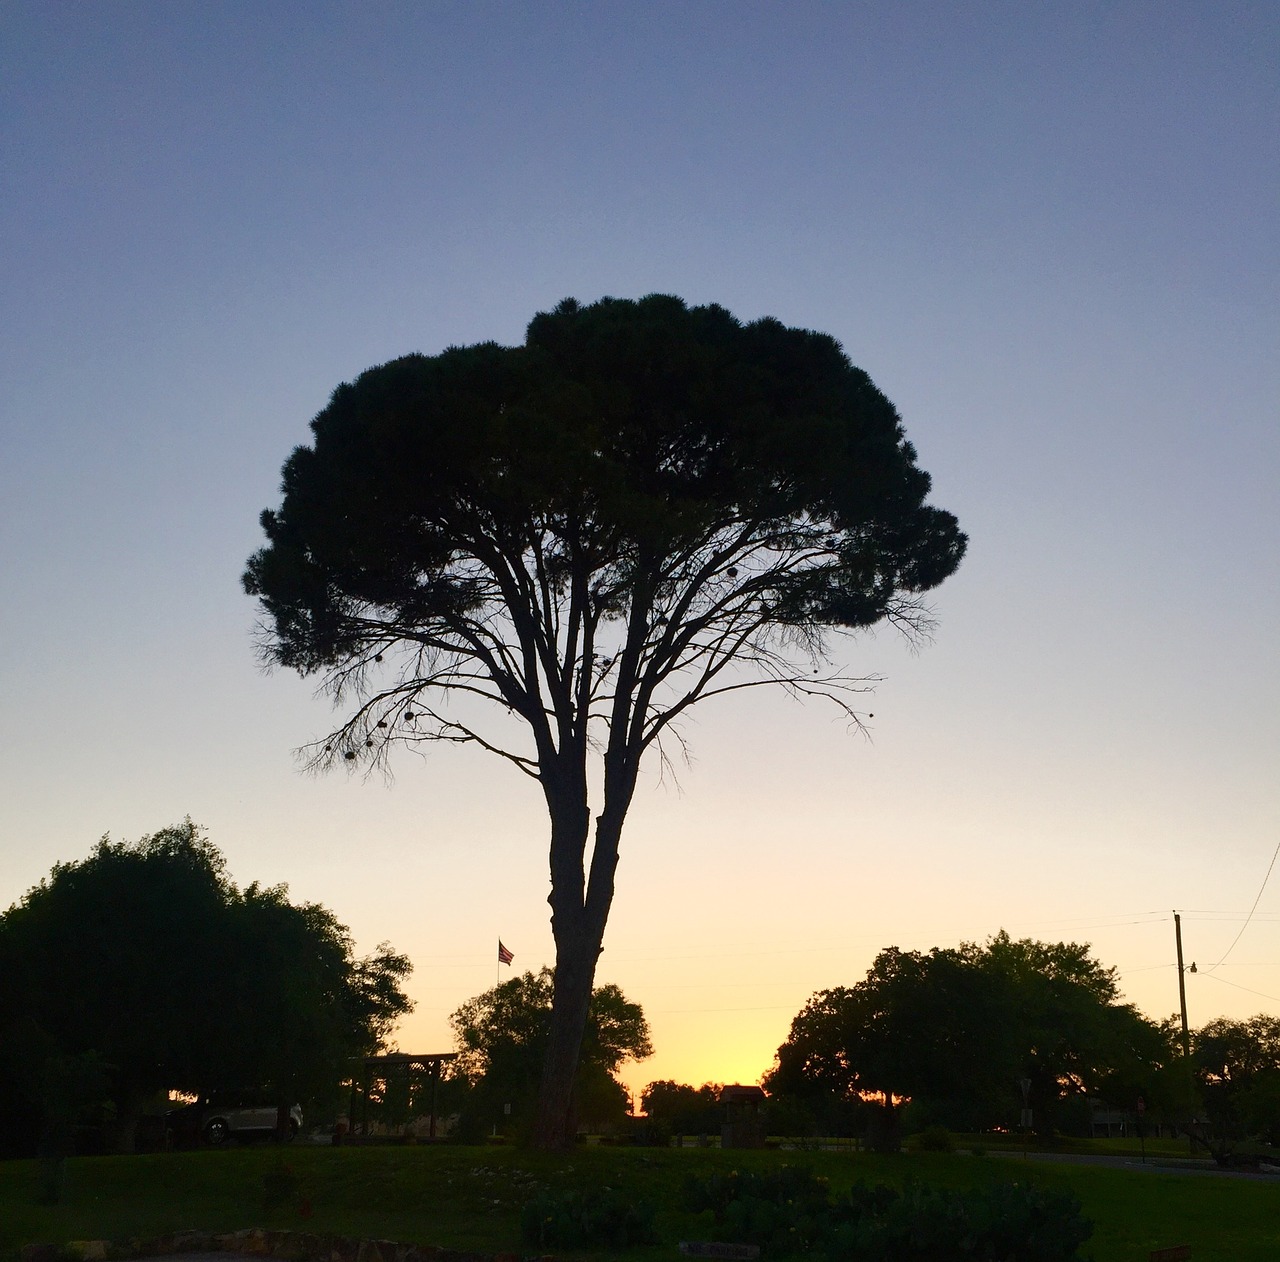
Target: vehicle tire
<point>216,1131</point>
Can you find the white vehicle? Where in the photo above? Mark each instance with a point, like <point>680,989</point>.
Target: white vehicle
<point>223,1115</point>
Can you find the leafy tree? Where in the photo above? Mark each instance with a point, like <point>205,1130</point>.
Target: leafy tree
<point>501,1038</point>
<point>602,1103</point>
<point>101,956</point>
<point>316,1006</point>
<point>1236,1065</point>
<point>147,956</point>
<point>46,1097</point>
<point>553,551</point>
<point>1075,1036</point>
<point>953,1030</point>
<point>683,1109</point>
<point>920,1026</point>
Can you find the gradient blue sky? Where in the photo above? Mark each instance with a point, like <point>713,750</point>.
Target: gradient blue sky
<point>1048,231</point>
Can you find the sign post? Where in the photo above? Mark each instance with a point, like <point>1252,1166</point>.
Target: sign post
<point>1027,1123</point>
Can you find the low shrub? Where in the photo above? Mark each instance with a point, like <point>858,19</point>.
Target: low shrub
<point>789,1212</point>
<point>785,1185</point>
<point>934,1139</point>
<point>785,1210</point>
<point>590,1219</point>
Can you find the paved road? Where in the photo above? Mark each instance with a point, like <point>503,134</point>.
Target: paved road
<point>1154,1165</point>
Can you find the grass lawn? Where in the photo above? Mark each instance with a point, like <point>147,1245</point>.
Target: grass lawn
<point>1128,1148</point>
<point>470,1198</point>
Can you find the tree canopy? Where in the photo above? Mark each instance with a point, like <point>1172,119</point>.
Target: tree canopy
<point>1236,1065</point>
<point>643,506</point>
<point>501,1037</point>
<point>681,1108</point>
<point>147,957</point>
<point>955,1030</point>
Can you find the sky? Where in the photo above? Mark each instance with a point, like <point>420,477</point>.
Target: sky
<point>1048,232</point>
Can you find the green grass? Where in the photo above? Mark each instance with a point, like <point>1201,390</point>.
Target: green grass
<point>1005,1143</point>
<point>470,1198</point>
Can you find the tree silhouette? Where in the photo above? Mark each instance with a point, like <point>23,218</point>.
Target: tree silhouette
<point>954,1030</point>
<point>684,1109</point>
<point>643,506</point>
<point>146,955</point>
<point>501,1037</point>
<point>1236,1066</point>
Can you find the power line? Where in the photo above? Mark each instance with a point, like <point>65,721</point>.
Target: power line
<point>1275,854</point>
<point>1217,911</point>
<point>1259,993</point>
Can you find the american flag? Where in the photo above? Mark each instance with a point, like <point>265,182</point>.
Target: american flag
<point>504,956</point>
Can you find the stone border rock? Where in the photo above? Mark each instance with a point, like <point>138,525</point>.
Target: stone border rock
<point>290,1246</point>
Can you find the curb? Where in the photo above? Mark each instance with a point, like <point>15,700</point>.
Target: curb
<point>290,1246</point>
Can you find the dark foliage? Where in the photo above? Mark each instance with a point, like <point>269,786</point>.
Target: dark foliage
<point>1235,1066</point>
<point>934,1139</point>
<point>682,1109</point>
<point>790,1213</point>
<point>501,1038</point>
<point>955,1030</point>
<point>143,969</point>
<point>594,1219</point>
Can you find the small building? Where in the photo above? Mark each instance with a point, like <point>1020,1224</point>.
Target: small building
<point>743,1125</point>
<point>1107,1123</point>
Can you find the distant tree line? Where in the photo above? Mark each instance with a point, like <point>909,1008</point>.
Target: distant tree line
<point>945,1038</point>
<point>143,969</point>
<point>970,1036</point>
<point>966,1038</point>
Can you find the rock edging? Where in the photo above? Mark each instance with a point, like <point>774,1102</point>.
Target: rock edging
<point>289,1246</point>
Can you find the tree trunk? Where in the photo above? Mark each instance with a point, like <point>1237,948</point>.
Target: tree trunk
<point>571,1000</point>
<point>884,1133</point>
<point>578,917</point>
<point>580,899</point>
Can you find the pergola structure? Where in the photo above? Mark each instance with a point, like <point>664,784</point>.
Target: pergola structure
<point>387,1068</point>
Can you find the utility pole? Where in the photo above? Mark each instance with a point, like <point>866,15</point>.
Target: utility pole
<point>1182,1000</point>
<point>1182,986</point>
